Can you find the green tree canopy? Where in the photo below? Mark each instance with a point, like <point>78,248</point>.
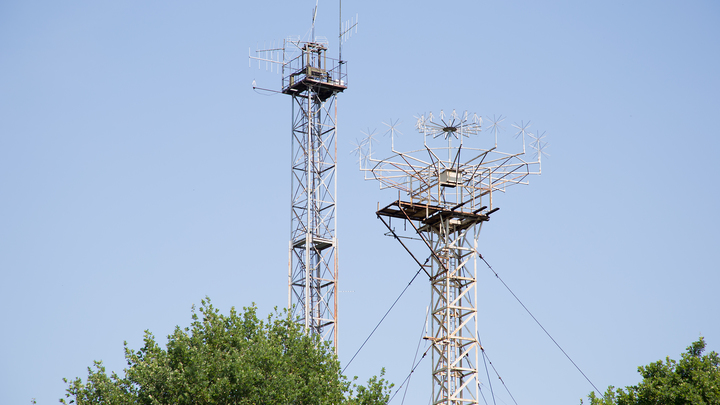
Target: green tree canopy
<point>695,379</point>
<point>233,359</point>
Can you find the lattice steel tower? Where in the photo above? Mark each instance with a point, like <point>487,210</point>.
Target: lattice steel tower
<point>449,195</point>
<point>313,80</point>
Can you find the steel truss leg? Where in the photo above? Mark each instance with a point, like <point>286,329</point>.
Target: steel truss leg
<point>453,280</point>
<point>313,245</point>
<point>454,316</point>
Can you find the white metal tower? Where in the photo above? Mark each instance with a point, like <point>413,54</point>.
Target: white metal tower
<point>313,81</point>
<point>449,194</point>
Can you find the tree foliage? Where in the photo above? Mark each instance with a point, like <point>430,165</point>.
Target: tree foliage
<point>233,359</point>
<point>695,379</point>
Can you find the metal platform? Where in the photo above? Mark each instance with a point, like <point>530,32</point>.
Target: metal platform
<point>431,215</point>
<point>323,88</point>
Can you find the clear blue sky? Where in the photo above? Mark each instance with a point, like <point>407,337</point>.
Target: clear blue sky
<point>139,172</point>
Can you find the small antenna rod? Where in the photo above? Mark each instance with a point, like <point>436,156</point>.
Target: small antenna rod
<point>313,21</point>
<point>340,33</point>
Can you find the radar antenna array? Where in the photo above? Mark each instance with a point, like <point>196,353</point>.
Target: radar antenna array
<point>445,194</point>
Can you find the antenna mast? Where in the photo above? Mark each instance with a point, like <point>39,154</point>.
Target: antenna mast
<point>313,80</point>
<point>448,189</point>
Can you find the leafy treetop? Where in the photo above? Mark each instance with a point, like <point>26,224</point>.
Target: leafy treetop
<point>695,379</point>
<point>233,359</point>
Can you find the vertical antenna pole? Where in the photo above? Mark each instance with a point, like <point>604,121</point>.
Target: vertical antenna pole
<point>290,281</point>
<point>337,246</point>
<point>340,34</point>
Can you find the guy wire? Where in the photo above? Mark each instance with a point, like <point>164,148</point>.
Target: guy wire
<point>411,371</point>
<point>384,316</point>
<point>538,322</point>
<point>422,332</point>
<point>485,356</point>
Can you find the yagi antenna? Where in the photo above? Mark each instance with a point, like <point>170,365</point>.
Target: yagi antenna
<point>272,56</point>
<point>277,55</point>
<point>345,30</point>
<point>347,27</point>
